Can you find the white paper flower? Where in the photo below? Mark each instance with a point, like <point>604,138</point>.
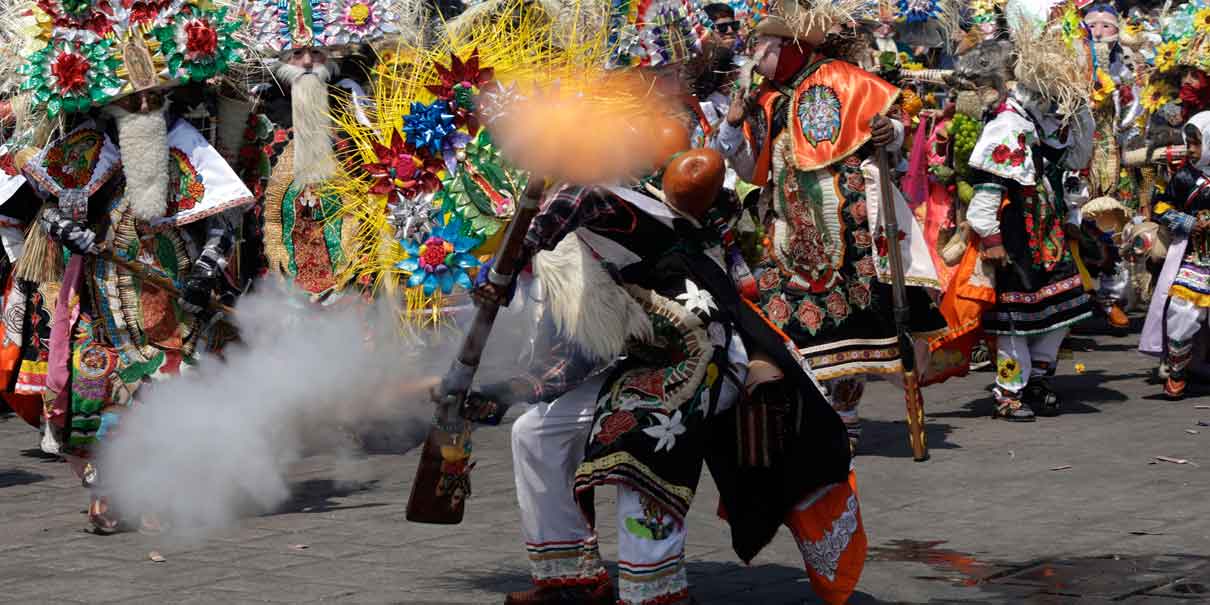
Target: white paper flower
<point>696,299</point>
<point>667,430</point>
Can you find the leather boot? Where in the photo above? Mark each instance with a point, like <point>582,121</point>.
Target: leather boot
<point>1117,317</point>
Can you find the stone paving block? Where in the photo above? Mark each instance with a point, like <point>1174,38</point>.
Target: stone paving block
<point>277,589</point>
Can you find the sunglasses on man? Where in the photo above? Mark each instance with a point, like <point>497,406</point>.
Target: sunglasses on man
<point>727,27</point>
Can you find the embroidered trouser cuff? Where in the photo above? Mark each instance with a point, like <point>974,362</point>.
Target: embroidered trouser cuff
<point>1183,320</point>
<point>1019,358</point>
<point>548,444</point>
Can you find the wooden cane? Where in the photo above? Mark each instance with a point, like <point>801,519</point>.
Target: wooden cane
<point>907,352</point>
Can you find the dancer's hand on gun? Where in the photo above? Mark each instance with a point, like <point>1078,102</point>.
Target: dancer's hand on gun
<point>482,409</point>
<point>74,236</point>
<point>882,131</point>
<point>486,292</point>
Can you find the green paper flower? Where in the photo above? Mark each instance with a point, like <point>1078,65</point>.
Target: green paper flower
<point>66,77</point>
<point>198,44</point>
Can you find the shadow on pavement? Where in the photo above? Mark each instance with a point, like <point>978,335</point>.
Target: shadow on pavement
<point>890,439</point>
<point>318,496</point>
<point>1106,578</point>
<point>710,582</point>
<point>15,477</point>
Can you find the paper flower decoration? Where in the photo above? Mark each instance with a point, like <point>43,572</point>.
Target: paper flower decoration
<point>70,77</point>
<point>399,170</point>
<point>1166,56</point>
<point>198,44</point>
<point>428,127</point>
<point>439,260</point>
<point>79,15</point>
<point>1155,95</point>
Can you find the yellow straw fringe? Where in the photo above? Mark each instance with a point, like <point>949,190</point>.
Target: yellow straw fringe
<point>533,49</point>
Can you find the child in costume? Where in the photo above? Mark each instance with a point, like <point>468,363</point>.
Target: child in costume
<point>1184,209</point>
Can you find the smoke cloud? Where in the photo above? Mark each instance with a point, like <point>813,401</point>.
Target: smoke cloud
<point>215,444</point>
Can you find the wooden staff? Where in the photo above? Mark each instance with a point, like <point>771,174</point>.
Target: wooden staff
<point>907,352</point>
<point>443,476</point>
<point>157,281</point>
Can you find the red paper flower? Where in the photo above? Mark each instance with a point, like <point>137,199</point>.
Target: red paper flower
<point>70,71</point>
<point>201,40</point>
<point>399,168</point>
<point>142,13</point>
<point>467,74</point>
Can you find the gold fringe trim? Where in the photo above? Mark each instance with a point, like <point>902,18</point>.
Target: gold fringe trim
<point>275,195</point>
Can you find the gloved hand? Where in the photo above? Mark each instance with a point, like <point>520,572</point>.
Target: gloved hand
<point>485,291</point>
<point>74,236</point>
<point>195,294</point>
<point>481,408</point>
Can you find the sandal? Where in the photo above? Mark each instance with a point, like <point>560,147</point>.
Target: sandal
<point>102,520</point>
<point>1013,410</point>
<point>1041,399</point>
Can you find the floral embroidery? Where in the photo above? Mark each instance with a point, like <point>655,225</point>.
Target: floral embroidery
<point>865,267</point>
<point>769,280</point>
<point>857,210</point>
<point>855,182</point>
<point>810,316</point>
<point>71,162</point>
<point>823,555</point>
<point>859,294</point>
<point>1008,371</point>
<point>666,431</point>
<point>838,307</point>
<point>1004,155</point>
<point>819,112</point>
<point>862,239</point>
<point>655,524</point>
<point>615,425</point>
<point>778,310</point>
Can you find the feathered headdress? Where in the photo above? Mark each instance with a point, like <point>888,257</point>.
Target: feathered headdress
<point>87,53</point>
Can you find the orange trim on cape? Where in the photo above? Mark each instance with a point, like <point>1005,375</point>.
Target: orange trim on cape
<point>842,100</point>
<point>760,173</point>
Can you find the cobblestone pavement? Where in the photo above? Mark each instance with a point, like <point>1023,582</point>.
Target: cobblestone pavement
<point>1070,509</point>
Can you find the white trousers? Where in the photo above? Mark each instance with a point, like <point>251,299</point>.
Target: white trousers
<point>548,444</point>
<point>1182,320</point>
<point>1019,358</point>
<point>1113,284</point>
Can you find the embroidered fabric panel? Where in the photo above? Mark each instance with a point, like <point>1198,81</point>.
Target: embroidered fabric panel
<point>566,563</point>
<point>653,584</point>
<point>1005,146</point>
<point>823,555</point>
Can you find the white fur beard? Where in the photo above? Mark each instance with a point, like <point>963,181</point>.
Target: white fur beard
<point>143,144</point>
<point>314,161</point>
